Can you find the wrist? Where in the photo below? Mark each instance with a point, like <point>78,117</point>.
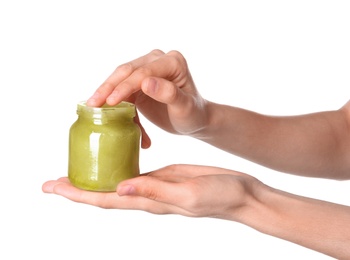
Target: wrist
<point>209,127</point>
<point>255,207</point>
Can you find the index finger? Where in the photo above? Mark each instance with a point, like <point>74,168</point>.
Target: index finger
<point>108,200</point>
<point>171,67</point>
<point>119,74</point>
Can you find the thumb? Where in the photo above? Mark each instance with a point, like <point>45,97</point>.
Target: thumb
<point>163,91</point>
<point>154,189</point>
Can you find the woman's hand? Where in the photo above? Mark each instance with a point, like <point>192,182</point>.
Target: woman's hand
<point>200,191</point>
<point>162,88</point>
<point>189,190</point>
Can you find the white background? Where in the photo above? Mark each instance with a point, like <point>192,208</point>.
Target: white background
<point>273,57</point>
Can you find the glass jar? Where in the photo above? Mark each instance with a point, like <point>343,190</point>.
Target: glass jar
<point>104,144</point>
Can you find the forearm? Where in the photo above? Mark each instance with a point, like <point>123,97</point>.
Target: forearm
<point>312,145</point>
<point>315,224</point>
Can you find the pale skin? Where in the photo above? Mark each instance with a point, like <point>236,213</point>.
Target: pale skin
<point>314,145</point>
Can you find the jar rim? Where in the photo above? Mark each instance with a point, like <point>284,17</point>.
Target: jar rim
<point>123,104</point>
<point>123,107</point>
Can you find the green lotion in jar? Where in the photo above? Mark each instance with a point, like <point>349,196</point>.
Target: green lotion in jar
<point>104,146</point>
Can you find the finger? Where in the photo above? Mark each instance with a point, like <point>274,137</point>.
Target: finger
<point>48,186</point>
<point>110,200</point>
<point>120,73</point>
<point>149,205</point>
<point>145,139</point>
<point>183,172</point>
<point>152,188</point>
<point>171,173</point>
<point>163,91</point>
<point>99,199</point>
<point>171,67</point>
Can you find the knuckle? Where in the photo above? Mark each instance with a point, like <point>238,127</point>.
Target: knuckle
<point>143,71</point>
<point>194,203</point>
<point>125,69</point>
<point>173,168</point>
<point>157,52</point>
<point>146,189</point>
<point>151,194</point>
<point>177,57</point>
<point>176,54</point>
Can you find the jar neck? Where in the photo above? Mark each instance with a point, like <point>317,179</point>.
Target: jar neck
<point>123,112</point>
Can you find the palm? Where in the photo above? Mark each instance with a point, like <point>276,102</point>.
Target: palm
<point>189,190</point>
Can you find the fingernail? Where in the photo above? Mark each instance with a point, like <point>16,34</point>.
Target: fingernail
<point>92,101</point>
<point>113,99</point>
<point>125,190</point>
<point>152,86</point>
